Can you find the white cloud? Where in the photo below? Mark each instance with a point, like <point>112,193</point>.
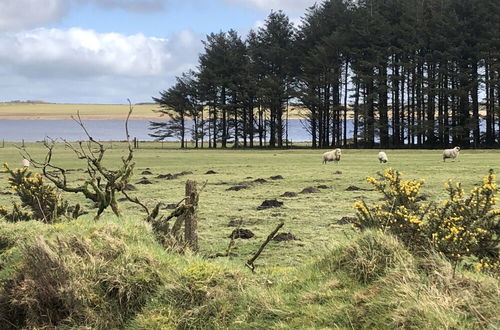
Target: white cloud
<point>290,7</point>
<point>140,6</point>
<point>98,64</point>
<point>16,15</point>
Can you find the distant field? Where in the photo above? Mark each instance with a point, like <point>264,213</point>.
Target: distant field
<point>23,110</point>
<point>65,111</point>
<point>311,217</point>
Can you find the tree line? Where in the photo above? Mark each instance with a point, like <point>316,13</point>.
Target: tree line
<point>365,73</point>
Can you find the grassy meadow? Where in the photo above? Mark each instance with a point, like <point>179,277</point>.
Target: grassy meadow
<point>26,110</point>
<point>312,282</point>
<point>41,110</point>
<point>311,217</point>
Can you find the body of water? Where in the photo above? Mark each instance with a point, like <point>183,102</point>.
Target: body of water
<point>101,130</point>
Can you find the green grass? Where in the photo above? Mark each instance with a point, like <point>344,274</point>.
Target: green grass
<point>312,218</point>
<point>112,273</point>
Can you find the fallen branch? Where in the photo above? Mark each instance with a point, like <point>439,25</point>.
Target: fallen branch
<point>250,262</point>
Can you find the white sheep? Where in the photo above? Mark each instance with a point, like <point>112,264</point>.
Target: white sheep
<point>382,157</point>
<point>333,155</point>
<point>451,153</point>
<point>26,163</point>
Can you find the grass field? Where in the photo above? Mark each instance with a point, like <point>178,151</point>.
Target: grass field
<point>65,111</point>
<point>25,110</point>
<point>311,217</point>
<point>112,273</point>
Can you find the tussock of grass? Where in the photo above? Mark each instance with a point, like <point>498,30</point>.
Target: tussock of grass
<point>113,274</point>
<point>66,278</point>
<point>369,257</point>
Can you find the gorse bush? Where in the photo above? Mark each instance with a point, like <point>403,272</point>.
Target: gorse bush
<point>401,211</point>
<point>44,201</point>
<point>468,225</point>
<point>461,227</point>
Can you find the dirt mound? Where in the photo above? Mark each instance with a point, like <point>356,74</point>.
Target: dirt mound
<point>130,187</point>
<point>346,220</point>
<point>211,172</point>
<point>242,233</point>
<point>146,172</point>
<point>237,187</point>
<point>276,177</point>
<point>170,176</point>
<point>309,190</point>
<point>289,194</point>
<point>281,237</point>
<point>322,186</point>
<point>260,180</point>
<point>355,188</point>
<point>144,181</point>
<point>268,203</point>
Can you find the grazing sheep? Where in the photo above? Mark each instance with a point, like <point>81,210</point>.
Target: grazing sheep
<point>382,157</point>
<point>333,155</point>
<point>451,153</point>
<point>26,163</point>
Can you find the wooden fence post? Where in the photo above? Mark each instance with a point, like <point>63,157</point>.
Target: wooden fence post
<point>191,216</point>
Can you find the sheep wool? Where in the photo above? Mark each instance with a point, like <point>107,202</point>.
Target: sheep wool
<point>451,153</point>
<point>382,157</point>
<point>333,155</point>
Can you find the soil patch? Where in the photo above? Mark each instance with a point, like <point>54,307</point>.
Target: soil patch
<point>144,181</point>
<point>237,187</point>
<point>276,177</point>
<point>211,172</point>
<point>309,190</point>
<point>337,172</point>
<point>170,176</point>
<point>347,220</point>
<point>281,237</point>
<point>269,203</point>
<point>242,233</point>
<point>146,172</point>
<point>130,187</point>
<point>260,180</point>
<point>289,194</point>
<point>355,188</point>
<point>323,186</point>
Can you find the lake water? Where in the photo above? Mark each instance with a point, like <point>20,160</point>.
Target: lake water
<point>103,130</point>
<point>114,130</point>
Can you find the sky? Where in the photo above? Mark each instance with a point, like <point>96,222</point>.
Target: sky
<point>105,51</point>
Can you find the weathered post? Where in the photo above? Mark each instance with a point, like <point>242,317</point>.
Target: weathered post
<point>191,215</point>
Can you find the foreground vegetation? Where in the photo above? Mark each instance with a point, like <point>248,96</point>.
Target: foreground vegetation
<point>113,273</point>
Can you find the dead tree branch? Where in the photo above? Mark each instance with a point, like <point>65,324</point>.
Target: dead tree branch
<point>250,261</point>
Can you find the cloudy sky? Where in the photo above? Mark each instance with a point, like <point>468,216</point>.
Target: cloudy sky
<point>105,51</point>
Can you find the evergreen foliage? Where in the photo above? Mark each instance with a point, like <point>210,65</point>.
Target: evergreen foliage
<point>407,73</point>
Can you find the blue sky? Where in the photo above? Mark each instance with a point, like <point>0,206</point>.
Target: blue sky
<point>105,51</point>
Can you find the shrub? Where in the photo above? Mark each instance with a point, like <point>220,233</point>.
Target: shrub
<point>468,226</point>
<point>43,200</point>
<point>458,228</point>
<point>400,213</point>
